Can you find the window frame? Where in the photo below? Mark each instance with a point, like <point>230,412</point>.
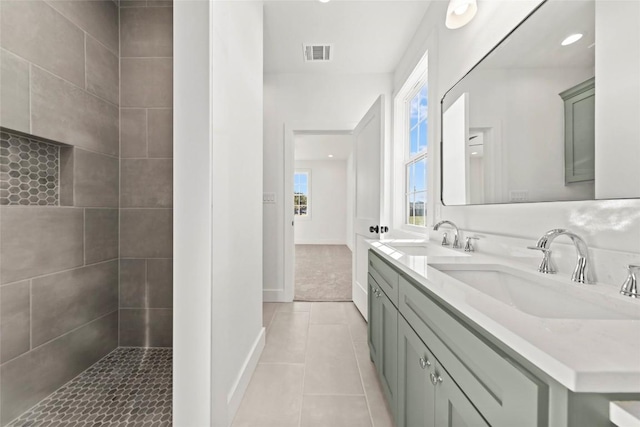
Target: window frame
<point>307,216</point>
<point>401,149</point>
<point>412,159</point>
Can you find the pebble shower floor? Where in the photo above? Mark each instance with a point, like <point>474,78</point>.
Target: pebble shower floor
<point>130,387</point>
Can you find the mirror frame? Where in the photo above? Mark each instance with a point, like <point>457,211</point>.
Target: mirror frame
<point>502,40</point>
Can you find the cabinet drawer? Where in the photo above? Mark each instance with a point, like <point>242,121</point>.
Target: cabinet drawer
<point>385,276</point>
<point>505,394</point>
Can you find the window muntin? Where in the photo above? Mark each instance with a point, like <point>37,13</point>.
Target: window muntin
<point>416,157</point>
<point>301,194</point>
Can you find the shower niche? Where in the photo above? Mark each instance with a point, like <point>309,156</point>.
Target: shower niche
<point>34,171</point>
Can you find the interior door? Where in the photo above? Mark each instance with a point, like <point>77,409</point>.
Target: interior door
<point>369,146</point>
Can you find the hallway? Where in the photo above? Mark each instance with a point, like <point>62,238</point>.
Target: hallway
<point>323,273</point>
<point>314,371</point>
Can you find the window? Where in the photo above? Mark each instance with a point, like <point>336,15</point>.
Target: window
<point>301,194</point>
<point>416,156</point>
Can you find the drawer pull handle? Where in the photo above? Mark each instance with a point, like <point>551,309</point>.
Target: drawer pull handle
<point>424,362</point>
<point>435,378</point>
<point>377,292</point>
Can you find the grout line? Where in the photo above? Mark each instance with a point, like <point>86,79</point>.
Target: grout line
<point>60,336</point>
<point>77,267</point>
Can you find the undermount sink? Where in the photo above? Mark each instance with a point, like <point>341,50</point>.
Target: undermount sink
<point>424,249</point>
<point>538,296</point>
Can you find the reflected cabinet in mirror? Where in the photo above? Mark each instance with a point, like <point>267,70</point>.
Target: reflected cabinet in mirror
<point>519,127</point>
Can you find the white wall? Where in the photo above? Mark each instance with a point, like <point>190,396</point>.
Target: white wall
<point>218,333</point>
<point>328,221</point>
<point>605,224</point>
<point>316,100</point>
<point>617,98</point>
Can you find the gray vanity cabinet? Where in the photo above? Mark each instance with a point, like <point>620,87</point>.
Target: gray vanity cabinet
<point>579,132</point>
<point>437,371</point>
<point>416,393</point>
<point>383,339</point>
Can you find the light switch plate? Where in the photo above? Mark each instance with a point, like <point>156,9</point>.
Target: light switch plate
<point>269,198</point>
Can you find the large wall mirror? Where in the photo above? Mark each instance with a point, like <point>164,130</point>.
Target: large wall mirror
<point>519,127</point>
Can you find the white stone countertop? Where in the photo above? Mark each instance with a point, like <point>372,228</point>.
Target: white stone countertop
<point>584,355</point>
<point>625,414</point>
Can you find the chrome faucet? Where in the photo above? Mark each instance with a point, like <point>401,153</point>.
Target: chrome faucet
<point>581,273</point>
<point>456,242</point>
<point>630,285</point>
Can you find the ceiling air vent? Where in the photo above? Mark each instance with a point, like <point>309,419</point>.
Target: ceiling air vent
<point>318,52</point>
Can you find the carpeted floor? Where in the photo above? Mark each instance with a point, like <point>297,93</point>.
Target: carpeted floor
<point>323,273</point>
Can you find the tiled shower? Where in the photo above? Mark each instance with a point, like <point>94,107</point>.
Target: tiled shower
<point>85,211</point>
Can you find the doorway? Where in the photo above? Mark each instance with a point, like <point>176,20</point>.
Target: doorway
<point>323,188</point>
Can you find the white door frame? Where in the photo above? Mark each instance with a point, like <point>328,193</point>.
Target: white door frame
<point>288,253</point>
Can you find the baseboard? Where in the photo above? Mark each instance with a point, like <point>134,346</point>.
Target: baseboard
<point>360,299</point>
<point>242,381</point>
<point>273,295</point>
<point>321,242</point>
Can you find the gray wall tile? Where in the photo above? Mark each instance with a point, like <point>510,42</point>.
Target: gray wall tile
<point>103,71</point>
<point>159,3</point>
<point>160,283</point>
<point>146,183</point>
<point>62,112</point>
<point>97,17</point>
<point>133,281</point>
<point>146,82</point>
<point>101,235</point>
<point>39,34</point>
<point>96,180</point>
<point>146,327</point>
<point>67,156</point>
<point>14,87</point>
<point>146,32</point>
<point>33,376</point>
<point>146,233</point>
<point>160,132</point>
<point>15,320</point>
<point>133,132</point>
<point>64,301</point>
<point>133,3</point>
<point>39,240</point>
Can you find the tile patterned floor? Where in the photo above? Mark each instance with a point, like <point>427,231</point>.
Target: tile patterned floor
<point>323,273</point>
<point>131,387</point>
<point>315,371</point>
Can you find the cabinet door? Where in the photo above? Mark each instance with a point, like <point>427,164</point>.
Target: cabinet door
<point>453,409</point>
<point>388,362</point>
<point>374,326</point>
<point>416,393</point>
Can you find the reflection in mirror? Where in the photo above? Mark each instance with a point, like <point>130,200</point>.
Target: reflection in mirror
<point>520,126</point>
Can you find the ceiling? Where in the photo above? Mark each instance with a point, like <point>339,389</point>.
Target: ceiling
<point>318,147</point>
<point>367,36</point>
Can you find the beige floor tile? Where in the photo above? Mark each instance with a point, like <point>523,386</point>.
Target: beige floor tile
<point>286,340</point>
<point>329,313</point>
<point>335,411</point>
<point>357,324</point>
<point>294,306</point>
<point>268,310</point>
<point>380,412</point>
<point>273,398</point>
<point>331,366</point>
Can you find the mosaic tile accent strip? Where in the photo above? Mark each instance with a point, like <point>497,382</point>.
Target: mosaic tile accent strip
<point>130,387</point>
<point>28,171</point>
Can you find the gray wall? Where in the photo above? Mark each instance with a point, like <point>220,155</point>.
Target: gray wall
<point>59,265</point>
<point>62,78</point>
<point>146,174</point>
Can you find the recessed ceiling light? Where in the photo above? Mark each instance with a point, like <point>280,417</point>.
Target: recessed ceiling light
<point>475,152</point>
<point>330,155</point>
<point>323,1</point>
<point>571,39</point>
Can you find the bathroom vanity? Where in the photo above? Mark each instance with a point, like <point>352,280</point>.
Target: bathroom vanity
<point>469,339</point>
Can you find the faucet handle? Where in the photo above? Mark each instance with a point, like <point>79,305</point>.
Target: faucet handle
<point>630,286</point>
<point>546,265</point>
<point>445,242</point>
<point>468,247</point>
